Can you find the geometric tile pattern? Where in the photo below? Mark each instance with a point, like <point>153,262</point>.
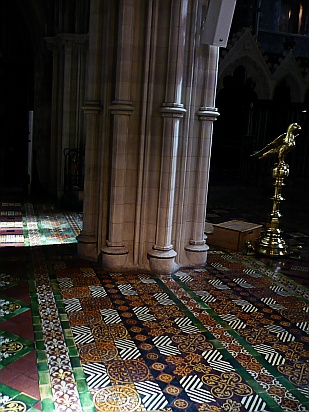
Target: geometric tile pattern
<point>24,225</point>
<point>11,225</point>
<point>271,341</point>
<point>198,341</point>
<point>44,225</point>
<point>232,336</point>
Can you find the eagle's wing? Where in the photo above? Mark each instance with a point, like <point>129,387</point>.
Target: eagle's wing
<point>272,145</point>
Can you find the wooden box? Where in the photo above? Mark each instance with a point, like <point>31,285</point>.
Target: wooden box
<point>233,234</point>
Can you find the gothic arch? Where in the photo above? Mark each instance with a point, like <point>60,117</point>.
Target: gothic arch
<point>255,71</point>
<point>289,72</point>
<point>245,52</point>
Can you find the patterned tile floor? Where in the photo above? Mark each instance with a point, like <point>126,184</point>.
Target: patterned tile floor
<point>42,224</point>
<point>233,336</point>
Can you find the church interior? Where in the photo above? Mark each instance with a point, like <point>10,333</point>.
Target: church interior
<point>140,225</point>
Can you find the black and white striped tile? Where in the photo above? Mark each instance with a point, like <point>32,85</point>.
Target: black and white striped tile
<point>194,389</point>
<point>242,283</point>
<point>127,349</point>
<point>151,395</point>
<point>163,299</point>
<point>281,333</point>
<point>82,334</point>
<point>270,354</point>
<point>216,361</point>
<point>96,375</point>
<point>143,313</point>
<point>72,305</point>
<point>205,296</point>
<point>186,325</point>
<point>245,305</point>
<point>165,345</point>
<point>233,321</point>
<point>110,316</point>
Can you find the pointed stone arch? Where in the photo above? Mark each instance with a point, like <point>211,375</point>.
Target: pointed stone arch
<point>290,72</point>
<point>245,52</point>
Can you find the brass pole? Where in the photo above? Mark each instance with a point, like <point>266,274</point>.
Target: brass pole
<point>270,242</point>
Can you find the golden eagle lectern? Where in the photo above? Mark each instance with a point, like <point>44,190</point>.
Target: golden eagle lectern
<point>281,145</point>
<point>270,242</point>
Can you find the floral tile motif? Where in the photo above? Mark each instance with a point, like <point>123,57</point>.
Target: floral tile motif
<point>7,280</point>
<point>10,307</point>
<point>12,347</point>
<point>13,400</point>
<point>61,389</point>
<point>192,341</point>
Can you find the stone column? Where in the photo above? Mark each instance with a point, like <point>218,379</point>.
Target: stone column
<point>114,253</point>
<point>87,240</point>
<point>196,250</point>
<point>162,255</point>
<point>68,62</point>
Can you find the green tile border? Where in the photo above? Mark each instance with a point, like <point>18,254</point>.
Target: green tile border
<point>23,307</point>
<point>248,263</point>
<point>41,358</point>
<point>27,348</point>
<point>11,284</point>
<point>84,394</point>
<point>227,356</point>
<point>16,395</point>
<point>271,369</point>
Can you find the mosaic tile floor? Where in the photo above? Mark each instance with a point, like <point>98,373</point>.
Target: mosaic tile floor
<point>229,337</point>
<point>19,389</point>
<point>11,224</point>
<point>37,225</point>
<point>233,336</point>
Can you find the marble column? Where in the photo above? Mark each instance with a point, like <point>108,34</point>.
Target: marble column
<point>114,253</point>
<point>197,248</point>
<point>162,255</point>
<point>87,240</point>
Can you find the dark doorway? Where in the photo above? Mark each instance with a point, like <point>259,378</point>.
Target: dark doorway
<point>16,78</point>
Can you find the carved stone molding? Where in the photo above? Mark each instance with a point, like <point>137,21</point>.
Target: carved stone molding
<point>208,113</point>
<point>162,262</point>
<point>87,246</point>
<point>122,107</point>
<point>92,107</point>
<point>172,110</point>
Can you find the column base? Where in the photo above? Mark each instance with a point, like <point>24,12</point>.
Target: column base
<point>197,254</point>
<point>114,257</point>
<point>87,247</point>
<point>162,262</point>
<point>271,243</point>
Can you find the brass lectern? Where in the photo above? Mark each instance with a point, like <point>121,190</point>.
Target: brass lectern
<point>270,243</point>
